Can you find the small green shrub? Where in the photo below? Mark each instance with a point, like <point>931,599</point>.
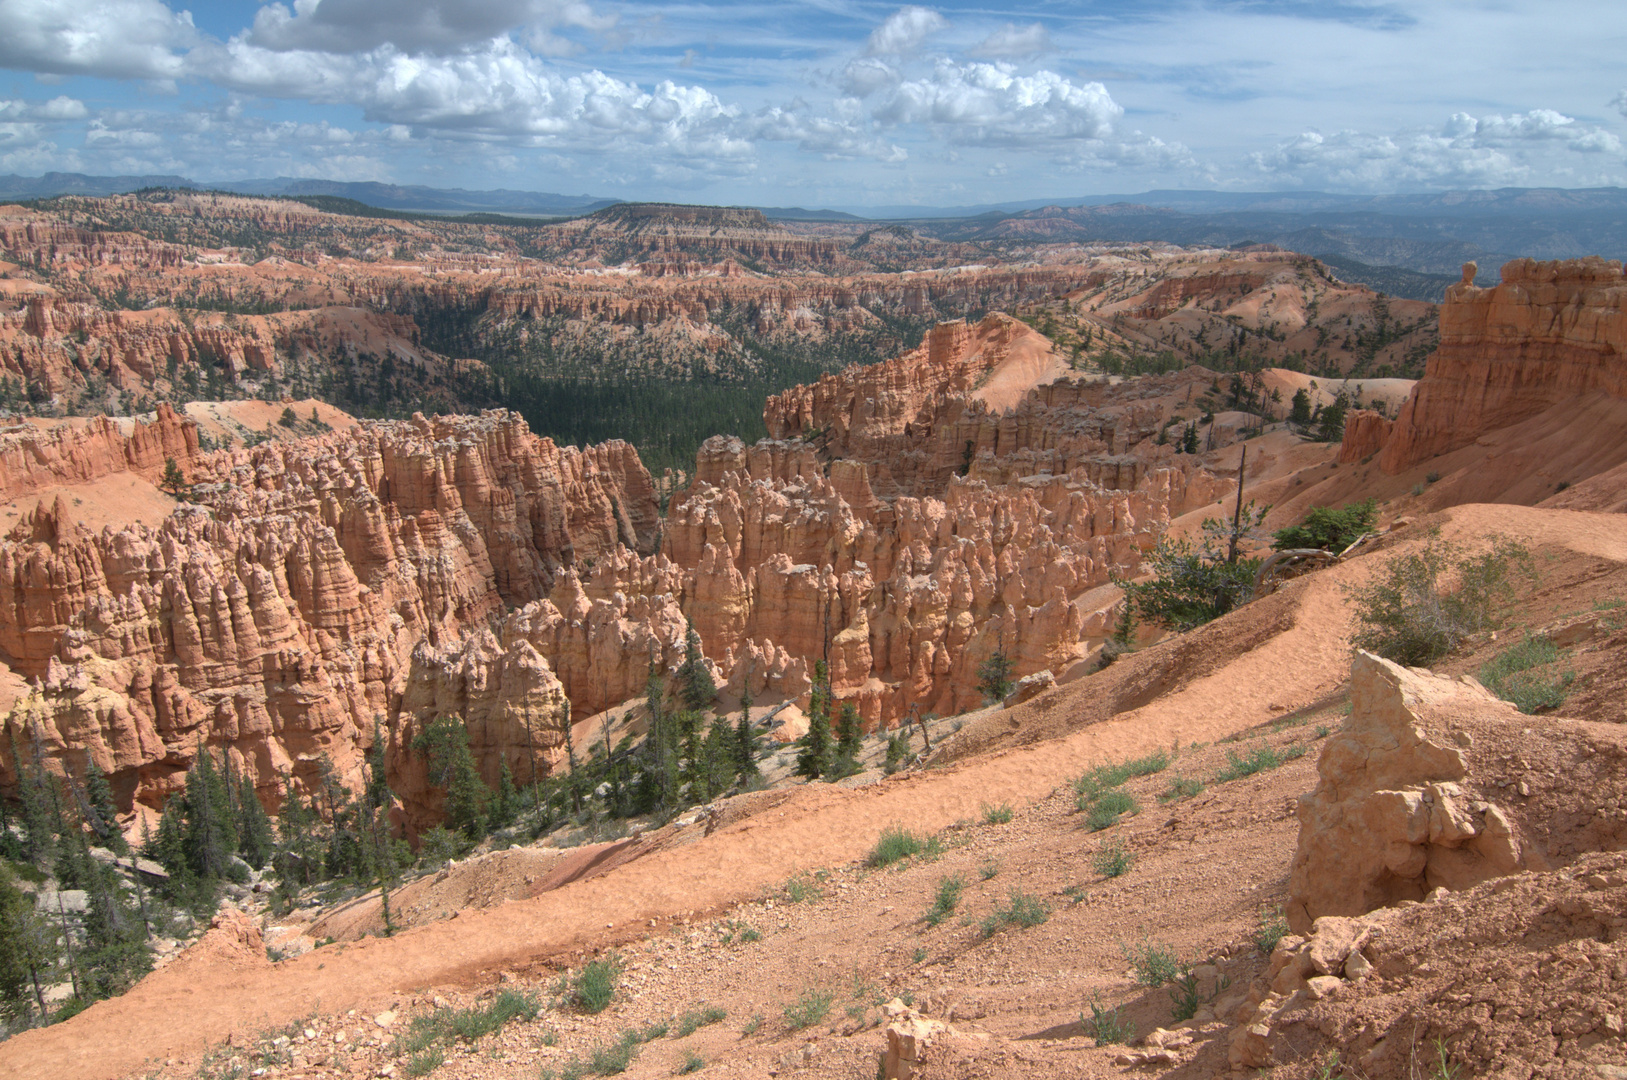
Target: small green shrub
<point>695,1019</point>
<point>612,1058</point>
<point>799,890</point>
<point>895,845</point>
<point>595,985</point>
<point>1183,995</point>
<point>809,1009</point>
<point>1108,807</point>
<point>1181,788</point>
<point>1406,612</point>
<point>1329,529</point>
<point>1154,964</point>
<point>1106,1026</point>
<point>945,900</point>
<point>1260,759</point>
<point>692,1062</point>
<point>426,1061</point>
<point>997,815</point>
<point>1510,675</point>
<point>1273,928</point>
<point>989,868</point>
<point>1022,910</point>
<point>1103,777</point>
<point>1113,860</point>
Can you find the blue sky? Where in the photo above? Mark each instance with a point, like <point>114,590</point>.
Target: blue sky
<point>831,102</point>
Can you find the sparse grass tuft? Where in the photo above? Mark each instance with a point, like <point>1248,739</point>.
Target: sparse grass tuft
<point>1260,759</point>
<point>895,845</point>
<point>1104,777</point>
<point>1106,1026</point>
<point>1107,808</point>
<point>1272,929</point>
<point>1183,995</point>
<point>691,1063</point>
<point>695,1019</point>
<point>945,900</point>
<point>809,1009</point>
<point>425,1061</point>
<point>1181,788</point>
<point>997,815</point>
<point>1113,860</point>
<point>989,868</point>
<point>1023,911</point>
<point>1154,963</point>
<point>800,890</point>
<point>595,984</point>
<point>1510,675</point>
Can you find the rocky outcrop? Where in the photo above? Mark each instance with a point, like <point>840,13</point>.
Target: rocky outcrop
<point>326,587</point>
<point>1433,783</point>
<point>1366,432</point>
<point>1548,333</point>
<point>33,459</point>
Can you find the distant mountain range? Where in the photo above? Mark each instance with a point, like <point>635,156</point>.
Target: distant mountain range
<point>1430,234</point>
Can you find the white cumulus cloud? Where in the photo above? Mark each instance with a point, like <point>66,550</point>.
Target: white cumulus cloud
<point>139,39</point>
<point>431,26</point>
<point>904,30</point>
<point>991,104</point>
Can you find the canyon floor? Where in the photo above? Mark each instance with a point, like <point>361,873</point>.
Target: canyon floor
<point>828,931</point>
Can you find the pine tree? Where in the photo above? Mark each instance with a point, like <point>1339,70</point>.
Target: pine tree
<point>445,744</point>
<point>745,736</point>
<point>378,785</point>
<point>116,953</point>
<point>40,821</point>
<point>849,741</point>
<point>168,846</point>
<point>255,840</point>
<point>694,680</point>
<point>994,680</point>
<point>298,863</point>
<point>28,953</point>
<point>1189,439</point>
<point>211,831</point>
<point>174,479</point>
<point>814,760</point>
<point>103,813</point>
<point>507,803</point>
<point>1299,410</point>
<point>662,741</point>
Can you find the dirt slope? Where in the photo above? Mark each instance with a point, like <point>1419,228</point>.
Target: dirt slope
<point>1294,662</point>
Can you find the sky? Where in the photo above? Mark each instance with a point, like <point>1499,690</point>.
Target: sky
<point>824,102</point>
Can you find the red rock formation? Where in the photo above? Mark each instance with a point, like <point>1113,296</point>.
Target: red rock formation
<point>327,585</point>
<point>1550,332</point>
<point>34,459</point>
<point>1366,432</point>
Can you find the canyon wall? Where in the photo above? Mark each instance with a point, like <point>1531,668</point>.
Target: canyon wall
<point>1550,332</point>
<point>323,587</point>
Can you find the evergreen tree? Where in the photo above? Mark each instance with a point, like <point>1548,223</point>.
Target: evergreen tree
<point>445,744</point>
<point>103,813</point>
<point>849,740</point>
<point>745,748</point>
<point>662,743</point>
<point>11,846</point>
<point>1124,628</point>
<point>298,864</point>
<point>1331,423</point>
<point>694,680</point>
<point>994,679</point>
<point>211,828</point>
<point>1189,439</point>
<point>168,845</point>
<point>814,760</point>
<point>174,479</point>
<point>255,841</point>
<point>716,771</point>
<point>116,953</point>
<point>378,786</point>
<point>28,954</point>
<point>507,804</point>
<point>39,818</point>
<point>1299,410</point>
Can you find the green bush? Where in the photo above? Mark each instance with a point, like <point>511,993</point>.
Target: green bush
<point>425,1062</point>
<point>1183,995</point>
<point>1260,759</point>
<point>945,900</point>
<point>1105,777</point>
<point>1106,809</point>
<point>1154,964</point>
<point>693,1062</point>
<point>1407,612</point>
<point>1113,860</point>
<point>997,815</point>
<point>1195,583</point>
<point>1106,1026</point>
<point>1022,910</point>
<point>896,844</point>
<point>595,985</point>
<point>799,889</point>
<point>1272,929</point>
<point>695,1019</point>
<point>809,1009</point>
<point>1511,676</point>
<point>1327,528</point>
<point>1181,787</point>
